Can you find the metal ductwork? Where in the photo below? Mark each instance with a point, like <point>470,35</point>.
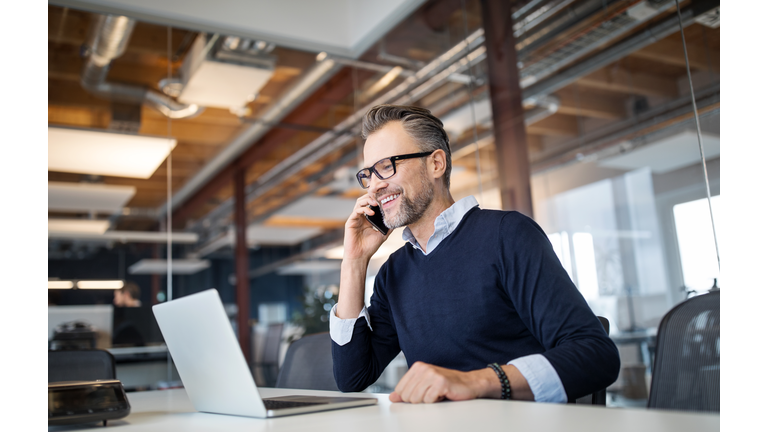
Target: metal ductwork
<point>107,40</point>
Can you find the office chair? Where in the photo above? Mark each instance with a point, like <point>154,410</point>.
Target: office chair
<point>598,397</point>
<point>269,361</point>
<point>308,364</point>
<point>686,371</point>
<point>80,365</point>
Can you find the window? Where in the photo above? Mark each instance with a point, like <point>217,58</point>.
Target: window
<point>696,243</point>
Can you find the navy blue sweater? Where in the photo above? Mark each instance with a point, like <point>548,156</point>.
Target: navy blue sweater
<point>492,291</point>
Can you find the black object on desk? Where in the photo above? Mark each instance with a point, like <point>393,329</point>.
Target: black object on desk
<point>73,335</point>
<point>75,402</point>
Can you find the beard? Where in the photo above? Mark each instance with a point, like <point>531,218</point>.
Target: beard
<point>411,210</point>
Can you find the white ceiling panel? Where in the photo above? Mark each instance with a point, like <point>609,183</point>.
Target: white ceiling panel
<point>84,197</point>
<point>84,226</point>
<point>320,208</point>
<point>265,235</point>
<point>87,151</point>
<point>160,266</point>
<point>343,27</point>
<point>310,267</point>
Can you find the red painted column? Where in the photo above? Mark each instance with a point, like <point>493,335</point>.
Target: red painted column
<point>507,106</point>
<point>242,291</point>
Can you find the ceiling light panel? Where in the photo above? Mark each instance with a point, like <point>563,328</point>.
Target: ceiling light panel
<point>100,284</point>
<point>61,284</point>
<point>160,266</point>
<point>80,226</point>
<point>261,235</point>
<point>320,208</point>
<point>220,84</point>
<point>79,197</point>
<point>87,151</point>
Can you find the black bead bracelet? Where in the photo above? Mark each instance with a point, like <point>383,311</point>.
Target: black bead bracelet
<point>506,390</point>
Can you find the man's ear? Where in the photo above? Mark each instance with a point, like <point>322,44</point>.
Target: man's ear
<point>439,163</point>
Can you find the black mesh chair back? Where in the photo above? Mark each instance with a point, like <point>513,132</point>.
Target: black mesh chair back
<point>686,371</point>
<point>308,364</point>
<point>271,353</point>
<point>80,365</point>
<point>269,358</point>
<point>598,397</point>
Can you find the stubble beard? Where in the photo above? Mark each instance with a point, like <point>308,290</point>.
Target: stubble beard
<point>411,210</point>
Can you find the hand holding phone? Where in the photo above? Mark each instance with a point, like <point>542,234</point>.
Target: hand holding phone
<point>377,220</point>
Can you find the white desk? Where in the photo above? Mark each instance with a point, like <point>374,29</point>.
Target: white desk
<point>171,410</point>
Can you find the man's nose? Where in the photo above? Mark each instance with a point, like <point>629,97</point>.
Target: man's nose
<point>376,185</point>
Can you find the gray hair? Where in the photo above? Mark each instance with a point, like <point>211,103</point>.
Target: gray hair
<point>419,123</point>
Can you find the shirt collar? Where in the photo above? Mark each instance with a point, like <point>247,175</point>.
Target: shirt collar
<point>445,222</point>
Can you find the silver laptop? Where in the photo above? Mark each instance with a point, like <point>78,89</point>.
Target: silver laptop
<point>212,366</point>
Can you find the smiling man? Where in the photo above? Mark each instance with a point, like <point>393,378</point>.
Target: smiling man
<point>476,299</point>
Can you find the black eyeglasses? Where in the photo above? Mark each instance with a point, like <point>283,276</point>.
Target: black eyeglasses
<point>385,168</point>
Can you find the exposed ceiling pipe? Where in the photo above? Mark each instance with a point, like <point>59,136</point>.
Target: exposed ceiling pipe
<point>126,236</point>
<point>316,76</point>
<point>609,55</point>
<point>341,134</point>
<point>107,41</point>
<point>310,153</point>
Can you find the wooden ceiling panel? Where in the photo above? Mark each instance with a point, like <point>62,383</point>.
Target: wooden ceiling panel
<point>555,125</point>
<point>620,80</point>
<point>573,101</point>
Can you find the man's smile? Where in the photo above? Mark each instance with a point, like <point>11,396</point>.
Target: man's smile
<point>388,199</point>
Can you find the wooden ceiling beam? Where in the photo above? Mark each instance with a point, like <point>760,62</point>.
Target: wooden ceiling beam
<point>315,108</point>
<point>670,52</point>
<point>583,103</point>
<point>302,222</point>
<point>622,81</point>
<point>97,118</point>
<point>197,133</point>
<point>555,125</point>
<point>72,29</point>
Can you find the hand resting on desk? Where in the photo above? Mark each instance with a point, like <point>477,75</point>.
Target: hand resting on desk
<point>426,383</point>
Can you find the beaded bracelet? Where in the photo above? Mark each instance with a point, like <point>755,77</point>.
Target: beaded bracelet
<point>506,390</point>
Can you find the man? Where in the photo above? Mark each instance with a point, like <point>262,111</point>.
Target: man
<point>128,296</point>
<point>471,289</point>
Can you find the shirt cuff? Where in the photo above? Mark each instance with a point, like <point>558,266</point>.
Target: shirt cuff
<point>342,329</point>
<point>542,378</point>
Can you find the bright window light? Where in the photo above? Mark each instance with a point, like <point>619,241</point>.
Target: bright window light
<point>61,284</point>
<point>586,267</point>
<point>96,152</point>
<point>103,284</point>
<point>562,248</point>
<point>696,242</point>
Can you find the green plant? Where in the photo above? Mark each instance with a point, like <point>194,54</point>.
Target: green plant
<point>317,305</point>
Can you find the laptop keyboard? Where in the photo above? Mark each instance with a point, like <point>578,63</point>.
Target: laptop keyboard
<point>271,404</point>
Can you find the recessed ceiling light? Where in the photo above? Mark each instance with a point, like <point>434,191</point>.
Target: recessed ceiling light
<point>61,284</point>
<point>100,284</point>
<point>88,151</point>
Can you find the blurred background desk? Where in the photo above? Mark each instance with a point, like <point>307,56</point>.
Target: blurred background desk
<point>171,410</point>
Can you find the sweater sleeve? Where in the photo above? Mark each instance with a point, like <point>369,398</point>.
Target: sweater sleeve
<point>555,312</point>
<point>359,363</point>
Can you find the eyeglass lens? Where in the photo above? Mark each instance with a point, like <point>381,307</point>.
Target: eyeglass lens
<point>383,169</point>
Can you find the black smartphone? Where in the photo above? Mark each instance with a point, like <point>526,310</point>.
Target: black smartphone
<point>377,220</point>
